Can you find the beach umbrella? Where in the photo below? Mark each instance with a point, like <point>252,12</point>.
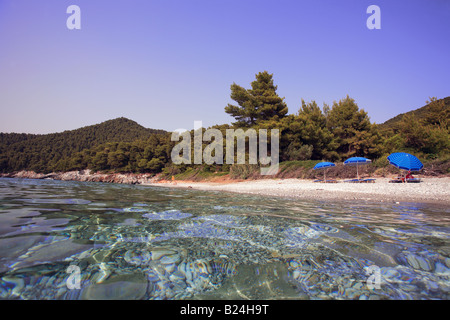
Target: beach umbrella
<point>356,161</point>
<point>405,161</point>
<point>323,165</point>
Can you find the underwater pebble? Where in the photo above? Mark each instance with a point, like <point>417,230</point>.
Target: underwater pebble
<point>116,290</point>
<point>170,268</point>
<point>440,268</point>
<point>390,273</point>
<point>358,286</point>
<point>61,291</point>
<point>296,274</point>
<point>165,256</point>
<point>8,285</point>
<point>137,257</point>
<point>412,260</point>
<point>170,259</point>
<point>418,262</point>
<point>351,293</point>
<point>17,283</point>
<point>432,285</point>
<point>167,215</point>
<point>177,276</point>
<point>134,209</point>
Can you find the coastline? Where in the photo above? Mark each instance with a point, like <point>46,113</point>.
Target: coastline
<point>84,176</point>
<point>432,190</point>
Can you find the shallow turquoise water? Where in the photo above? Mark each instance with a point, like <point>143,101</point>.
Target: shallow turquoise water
<point>74,240</point>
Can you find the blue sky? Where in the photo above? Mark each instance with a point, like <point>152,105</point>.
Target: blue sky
<point>167,63</point>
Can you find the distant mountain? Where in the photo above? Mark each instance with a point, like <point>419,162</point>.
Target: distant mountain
<point>421,113</point>
<point>20,151</point>
<point>116,130</point>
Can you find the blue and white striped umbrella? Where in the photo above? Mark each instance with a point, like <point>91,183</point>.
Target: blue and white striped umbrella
<point>323,165</point>
<point>355,161</point>
<point>405,161</point>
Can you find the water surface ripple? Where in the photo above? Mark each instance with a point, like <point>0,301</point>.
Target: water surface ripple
<point>75,240</point>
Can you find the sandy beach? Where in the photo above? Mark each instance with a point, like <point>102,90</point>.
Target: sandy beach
<point>430,190</point>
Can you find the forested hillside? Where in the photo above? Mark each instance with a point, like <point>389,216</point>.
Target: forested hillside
<point>54,152</point>
<point>332,133</point>
<point>424,131</point>
<point>433,112</point>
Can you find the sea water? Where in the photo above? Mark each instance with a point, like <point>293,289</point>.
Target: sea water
<point>80,240</point>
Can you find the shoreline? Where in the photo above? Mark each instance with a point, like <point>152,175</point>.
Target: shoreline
<point>430,191</point>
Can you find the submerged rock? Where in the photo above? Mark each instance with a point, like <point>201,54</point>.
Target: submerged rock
<point>167,215</point>
<point>129,287</point>
<point>50,252</point>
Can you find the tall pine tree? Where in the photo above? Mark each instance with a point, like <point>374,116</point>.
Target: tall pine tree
<point>259,103</point>
<point>353,132</point>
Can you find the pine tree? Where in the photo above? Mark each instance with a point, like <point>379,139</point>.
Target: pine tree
<point>259,103</point>
<point>354,134</point>
<point>305,135</point>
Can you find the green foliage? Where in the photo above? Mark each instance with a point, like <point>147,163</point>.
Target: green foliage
<point>113,144</point>
<point>257,104</point>
<point>313,131</point>
<point>393,143</point>
<point>423,131</point>
<point>381,162</point>
<point>307,164</point>
<point>352,130</point>
<point>244,171</point>
<point>303,152</point>
<point>311,135</point>
<point>434,112</point>
<point>424,137</point>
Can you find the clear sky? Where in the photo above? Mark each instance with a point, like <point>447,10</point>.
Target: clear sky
<point>167,63</point>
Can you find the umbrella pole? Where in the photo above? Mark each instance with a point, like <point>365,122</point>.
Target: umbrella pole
<point>357,174</point>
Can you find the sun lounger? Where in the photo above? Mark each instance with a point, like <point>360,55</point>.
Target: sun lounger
<point>367,180</point>
<point>408,180</point>
<point>326,181</point>
<point>396,180</point>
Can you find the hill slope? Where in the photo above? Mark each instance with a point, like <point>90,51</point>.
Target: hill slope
<point>421,113</point>
<point>36,152</point>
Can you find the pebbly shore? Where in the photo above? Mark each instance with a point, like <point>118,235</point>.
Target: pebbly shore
<point>430,190</point>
